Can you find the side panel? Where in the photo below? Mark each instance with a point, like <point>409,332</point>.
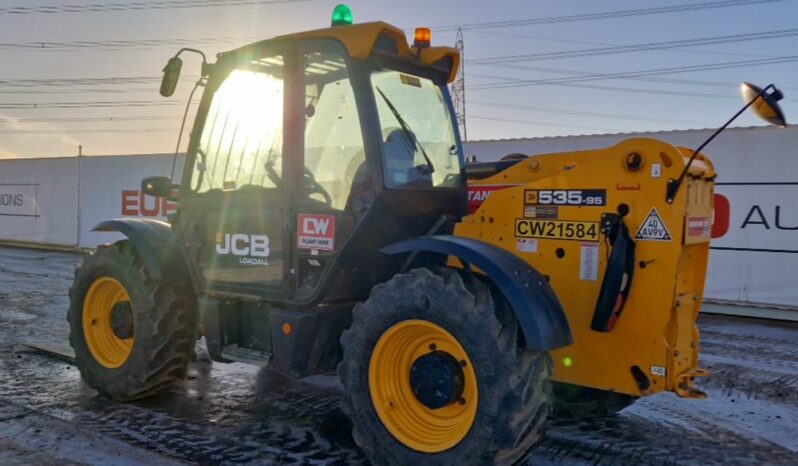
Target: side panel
<point>551,221</point>
<point>753,257</point>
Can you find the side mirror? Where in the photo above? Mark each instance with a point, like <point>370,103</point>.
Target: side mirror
<point>766,105</point>
<point>159,186</point>
<point>171,74</point>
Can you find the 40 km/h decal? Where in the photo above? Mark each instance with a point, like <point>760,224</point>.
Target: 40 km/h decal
<point>557,229</point>
<point>577,197</point>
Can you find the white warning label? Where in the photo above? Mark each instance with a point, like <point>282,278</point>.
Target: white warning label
<point>589,262</point>
<point>653,228</point>
<point>526,245</point>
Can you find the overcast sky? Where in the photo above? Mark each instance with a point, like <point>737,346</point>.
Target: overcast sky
<point>50,44</point>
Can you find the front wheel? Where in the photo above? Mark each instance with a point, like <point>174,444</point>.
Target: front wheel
<point>133,336</point>
<point>434,373</point>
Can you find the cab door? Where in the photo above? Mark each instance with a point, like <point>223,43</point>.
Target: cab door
<point>233,212</point>
<point>336,175</point>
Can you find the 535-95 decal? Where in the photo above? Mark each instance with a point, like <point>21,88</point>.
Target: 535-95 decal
<point>574,197</point>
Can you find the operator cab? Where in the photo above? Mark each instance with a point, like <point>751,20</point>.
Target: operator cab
<point>312,151</point>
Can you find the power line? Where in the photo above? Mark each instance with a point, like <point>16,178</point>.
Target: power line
<point>92,131</point>
<point>108,119</point>
<point>88,104</point>
<point>132,44</point>
<point>588,114</point>
<point>597,87</point>
<point>36,91</point>
<point>605,15</point>
<point>112,80</point>
<point>127,6</point>
<point>616,49</point>
<point>607,44</point>
<point>678,81</point>
<point>640,73</point>
<point>541,123</point>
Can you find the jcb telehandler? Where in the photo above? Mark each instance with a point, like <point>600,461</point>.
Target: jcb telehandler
<point>326,221</point>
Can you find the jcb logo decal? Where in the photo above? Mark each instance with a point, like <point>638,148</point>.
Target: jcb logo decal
<point>252,249</point>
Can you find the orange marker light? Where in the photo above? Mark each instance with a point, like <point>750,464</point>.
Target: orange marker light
<point>287,328</point>
<point>422,38</point>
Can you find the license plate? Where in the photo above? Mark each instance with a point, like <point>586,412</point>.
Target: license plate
<point>557,229</point>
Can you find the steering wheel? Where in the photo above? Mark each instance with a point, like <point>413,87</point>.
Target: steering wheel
<point>272,174</point>
<point>313,187</point>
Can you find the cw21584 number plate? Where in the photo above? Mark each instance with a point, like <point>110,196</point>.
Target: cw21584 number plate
<point>556,229</point>
<point>578,197</point>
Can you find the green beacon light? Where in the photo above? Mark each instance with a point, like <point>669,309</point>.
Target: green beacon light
<point>342,15</point>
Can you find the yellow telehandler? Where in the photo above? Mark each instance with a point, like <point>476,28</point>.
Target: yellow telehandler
<point>326,220</point>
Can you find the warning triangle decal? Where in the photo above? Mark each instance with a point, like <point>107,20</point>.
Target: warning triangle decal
<point>653,228</point>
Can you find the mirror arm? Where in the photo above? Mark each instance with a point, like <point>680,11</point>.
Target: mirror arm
<point>673,185</point>
<point>205,65</point>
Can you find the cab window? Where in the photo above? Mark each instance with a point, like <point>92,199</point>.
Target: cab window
<point>419,146</point>
<point>241,143</point>
<point>334,154</point>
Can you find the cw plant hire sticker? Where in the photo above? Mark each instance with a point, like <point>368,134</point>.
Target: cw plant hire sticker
<point>653,228</point>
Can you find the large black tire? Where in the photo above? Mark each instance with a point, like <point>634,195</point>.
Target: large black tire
<point>514,391</point>
<point>585,402</point>
<point>164,331</point>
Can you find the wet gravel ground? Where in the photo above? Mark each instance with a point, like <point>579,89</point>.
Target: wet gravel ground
<point>238,414</point>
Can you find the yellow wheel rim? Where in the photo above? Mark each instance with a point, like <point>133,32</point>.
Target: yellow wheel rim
<point>406,418</point>
<point>108,350</point>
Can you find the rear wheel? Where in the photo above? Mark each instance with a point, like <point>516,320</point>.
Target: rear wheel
<point>583,402</point>
<point>133,336</point>
<point>434,373</point>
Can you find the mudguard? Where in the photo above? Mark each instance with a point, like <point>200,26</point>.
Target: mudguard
<point>533,301</point>
<point>155,242</point>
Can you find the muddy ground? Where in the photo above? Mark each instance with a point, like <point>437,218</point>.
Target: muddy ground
<point>237,414</point>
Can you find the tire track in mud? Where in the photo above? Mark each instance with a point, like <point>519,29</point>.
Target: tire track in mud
<point>745,362</point>
<point>301,424</point>
<point>749,348</point>
<point>728,379</point>
<point>286,426</point>
<point>654,435</point>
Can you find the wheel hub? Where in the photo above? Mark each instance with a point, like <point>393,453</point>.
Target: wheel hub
<point>108,322</point>
<point>423,386</point>
<point>122,320</point>
<point>437,379</point>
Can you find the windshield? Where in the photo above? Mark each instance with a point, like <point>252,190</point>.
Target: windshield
<point>419,145</point>
<point>241,143</point>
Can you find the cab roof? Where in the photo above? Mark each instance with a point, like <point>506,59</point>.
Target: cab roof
<point>360,41</point>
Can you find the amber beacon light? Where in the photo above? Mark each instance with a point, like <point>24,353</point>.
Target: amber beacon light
<point>422,38</point>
